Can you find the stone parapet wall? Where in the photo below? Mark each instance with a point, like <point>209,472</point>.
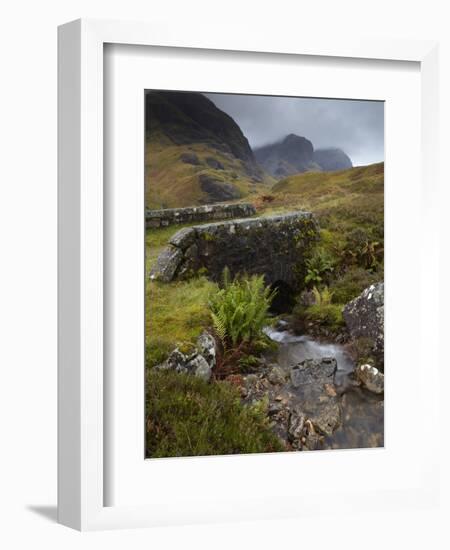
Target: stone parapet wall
<point>274,246</point>
<point>210,212</point>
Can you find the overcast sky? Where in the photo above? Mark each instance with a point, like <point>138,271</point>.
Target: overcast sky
<point>357,127</point>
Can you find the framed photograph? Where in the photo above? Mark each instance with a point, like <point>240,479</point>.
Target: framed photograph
<point>243,225</point>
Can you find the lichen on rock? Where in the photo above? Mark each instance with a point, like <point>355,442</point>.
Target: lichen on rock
<point>370,377</point>
<point>273,246</point>
<point>364,317</point>
<point>200,362</point>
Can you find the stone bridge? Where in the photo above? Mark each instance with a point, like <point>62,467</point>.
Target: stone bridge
<point>274,246</point>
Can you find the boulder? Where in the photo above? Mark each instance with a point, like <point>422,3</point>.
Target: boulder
<point>199,363</point>
<point>277,376</point>
<point>327,416</point>
<point>313,372</point>
<point>167,264</point>
<point>206,345</point>
<point>313,383</point>
<point>176,361</point>
<point>364,317</point>
<point>370,377</point>
<point>199,367</point>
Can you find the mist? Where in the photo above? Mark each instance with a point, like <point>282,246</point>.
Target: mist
<point>355,126</point>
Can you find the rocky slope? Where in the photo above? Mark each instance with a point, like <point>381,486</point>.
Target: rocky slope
<point>296,154</point>
<point>195,153</point>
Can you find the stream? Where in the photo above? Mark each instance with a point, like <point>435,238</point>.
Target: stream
<point>362,412</point>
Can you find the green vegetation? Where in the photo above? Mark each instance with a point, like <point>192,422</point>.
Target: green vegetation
<point>177,313</point>
<point>349,206</point>
<point>195,153</point>
<point>323,313</point>
<point>239,312</point>
<point>189,417</point>
<point>322,298</point>
<point>185,415</point>
<point>327,316</point>
<point>172,183</point>
<point>319,266</point>
<point>240,309</point>
<point>361,349</point>
<point>351,283</point>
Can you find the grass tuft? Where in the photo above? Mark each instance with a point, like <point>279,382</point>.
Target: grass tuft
<point>186,416</point>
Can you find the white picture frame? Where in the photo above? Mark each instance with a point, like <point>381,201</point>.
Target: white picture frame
<point>82,483</point>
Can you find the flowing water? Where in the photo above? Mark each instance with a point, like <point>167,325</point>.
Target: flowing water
<point>362,411</point>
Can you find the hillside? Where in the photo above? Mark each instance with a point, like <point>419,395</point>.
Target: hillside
<point>195,153</point>
<point>296,154</point>
<point>348,197</point>
<point>349,205</point>
<point>327,186</point>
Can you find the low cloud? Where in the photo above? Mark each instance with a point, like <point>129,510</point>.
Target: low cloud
<point>355,126</point>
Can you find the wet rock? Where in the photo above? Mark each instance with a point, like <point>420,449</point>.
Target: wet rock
<point>364,317</point>
<point>311,440</point>
<point>313,371</point>
<point>277,376</point>
<point>327,417</point>
<point>371,378</point>
<point>330,390</point>
<point>296,425</point>
<point>275,407</point>
<point>281,325</point>
<point>313,382</point>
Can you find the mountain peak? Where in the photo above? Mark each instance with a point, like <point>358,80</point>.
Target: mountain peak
<point>332,159</point>
<point>293,138</point>
<point>295,154</point>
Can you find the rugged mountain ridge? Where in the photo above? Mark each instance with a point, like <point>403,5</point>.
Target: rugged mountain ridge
<point>296,154</point>
<point>188,118</point>
<point>195,153</point>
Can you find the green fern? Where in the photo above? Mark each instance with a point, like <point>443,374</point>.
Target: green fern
<point>240,309</point>
<point>219,325</point>
<point>322,298</point>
